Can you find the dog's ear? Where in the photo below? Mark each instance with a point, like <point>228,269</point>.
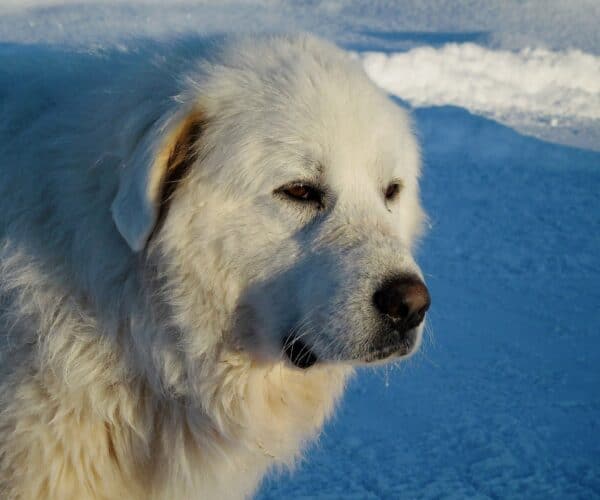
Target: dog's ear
<point>160,160</point>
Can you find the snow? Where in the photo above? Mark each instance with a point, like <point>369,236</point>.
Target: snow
<point>504,399</point>
<point>546,93</point>
<point>372,25</point>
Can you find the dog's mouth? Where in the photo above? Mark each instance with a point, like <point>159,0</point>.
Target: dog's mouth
<point>397,350</point>
<point>298,352</point>
<point>399,347</point>
<point>301,355</point>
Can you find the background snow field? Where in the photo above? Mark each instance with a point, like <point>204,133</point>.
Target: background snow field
<point>547,93</point>
<point>503,401</point>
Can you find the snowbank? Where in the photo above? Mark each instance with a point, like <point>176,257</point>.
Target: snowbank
<point>529,89</point>
<point>551,92</point>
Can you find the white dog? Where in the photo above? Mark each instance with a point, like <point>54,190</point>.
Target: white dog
<point>196,249</point>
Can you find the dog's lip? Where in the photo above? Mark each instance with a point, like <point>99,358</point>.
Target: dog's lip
<point>298,352</point>
<point>402,348</point>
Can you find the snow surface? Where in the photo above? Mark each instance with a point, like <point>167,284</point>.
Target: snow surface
<point>504,399</point>
<point>546,93</point>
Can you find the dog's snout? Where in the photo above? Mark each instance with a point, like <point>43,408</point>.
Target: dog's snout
<point>405,300</point>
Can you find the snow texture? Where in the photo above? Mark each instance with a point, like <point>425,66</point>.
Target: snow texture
<point>537,91</point>
<point>504,399</point>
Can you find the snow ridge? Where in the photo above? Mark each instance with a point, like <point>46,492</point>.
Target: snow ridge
<point>527,89</point>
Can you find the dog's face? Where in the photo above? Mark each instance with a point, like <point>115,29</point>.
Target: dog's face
<point>300,202</point>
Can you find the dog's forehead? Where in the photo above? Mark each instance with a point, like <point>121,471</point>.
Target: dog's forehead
<point>343,144</point>
<point>346,127</point>
<point>311,112</point>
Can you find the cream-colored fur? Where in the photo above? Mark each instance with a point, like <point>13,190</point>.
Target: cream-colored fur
<point>141,352</point>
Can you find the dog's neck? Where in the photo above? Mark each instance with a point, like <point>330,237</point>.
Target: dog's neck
<point>256,415</point>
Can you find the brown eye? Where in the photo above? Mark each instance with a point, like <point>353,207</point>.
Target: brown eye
<point>392,191</point>
<point>302,192</point>
<point>299,191</point>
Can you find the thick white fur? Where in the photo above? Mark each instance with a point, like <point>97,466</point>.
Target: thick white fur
<point>143,361</point>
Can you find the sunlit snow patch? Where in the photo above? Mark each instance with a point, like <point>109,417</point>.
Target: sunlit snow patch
<point>554,95</point>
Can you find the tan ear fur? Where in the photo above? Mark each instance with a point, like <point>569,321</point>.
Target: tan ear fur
<point>177,156</point>
<point>149,176</point>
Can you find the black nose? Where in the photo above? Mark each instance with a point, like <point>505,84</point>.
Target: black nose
<point>405,300</point>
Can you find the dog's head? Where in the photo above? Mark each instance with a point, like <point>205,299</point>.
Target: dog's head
<point>282,195</point>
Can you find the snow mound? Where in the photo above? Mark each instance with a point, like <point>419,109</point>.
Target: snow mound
<point>533,90</point>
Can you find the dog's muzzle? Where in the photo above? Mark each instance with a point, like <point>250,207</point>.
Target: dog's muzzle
<point>400,303</point>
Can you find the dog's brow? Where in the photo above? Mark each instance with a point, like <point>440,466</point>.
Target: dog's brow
<point>304,167</point>
<point>315,168</point>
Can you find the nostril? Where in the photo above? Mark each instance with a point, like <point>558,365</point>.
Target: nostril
<point>389,300</point>
<point>415,319</point>
<point>403,299</point>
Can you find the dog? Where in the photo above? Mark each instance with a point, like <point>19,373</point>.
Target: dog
<point>199,245</point>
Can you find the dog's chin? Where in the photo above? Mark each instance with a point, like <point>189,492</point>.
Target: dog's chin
<point>400,348</point>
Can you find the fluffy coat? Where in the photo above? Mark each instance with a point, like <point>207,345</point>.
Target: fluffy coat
<point>127,363</point>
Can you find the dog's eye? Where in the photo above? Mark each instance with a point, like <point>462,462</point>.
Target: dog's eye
<point>392,191</point>
<point>302,192</point>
